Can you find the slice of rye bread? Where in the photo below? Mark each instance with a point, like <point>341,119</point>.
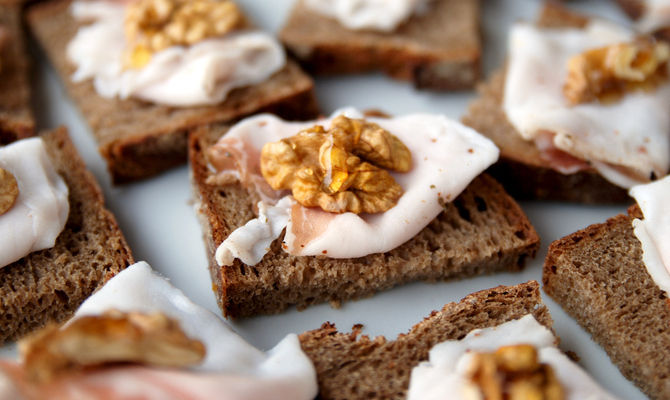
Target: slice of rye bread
<point>48,285</point>
<point>521,169</point>
<point>353,367</point>
<point>438,50</point>
<point>597,275</point>
<point>16,120</point>
<point>140,139</point>
<point>483,231</point>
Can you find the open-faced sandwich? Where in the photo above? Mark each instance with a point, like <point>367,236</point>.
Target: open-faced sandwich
<point>144,72</point>
<point>435,44</point>
<point>342,207</point>
<point>580,111</point>
<point>139,337</point>
<point>493,344</point>
<point>58,243</point>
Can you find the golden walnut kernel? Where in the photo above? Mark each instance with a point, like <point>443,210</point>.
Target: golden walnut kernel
<point>607,73</point>
<point>514,373</point>
<point>113,337</point>
<point>153,25</point>
<point>9,190</point>
<point>341,169</point>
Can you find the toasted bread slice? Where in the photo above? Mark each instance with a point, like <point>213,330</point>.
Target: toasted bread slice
<point>353,367</point>
<point>440,49</point>
<point>482,231</point>
<point>48,285</point>
<point>597,275</point>
<point>16,120</point>
<point>140,139</point>
<point>520,169</point>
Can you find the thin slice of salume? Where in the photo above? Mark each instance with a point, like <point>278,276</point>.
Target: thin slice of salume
<point>446,156</point>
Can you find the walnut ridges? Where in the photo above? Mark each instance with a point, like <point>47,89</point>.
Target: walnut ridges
<point>609,72</point>
<point>112,337</point>
<point>153,25</point>
<point>514,373</point>
<point>342,169</point>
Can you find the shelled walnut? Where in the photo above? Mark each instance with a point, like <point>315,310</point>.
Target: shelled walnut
<point>113,337</point>
<point>514,373</point>
<point>608,73</point>
<point>153,25</point>
<point>9,190</point>
<point>342,169</point>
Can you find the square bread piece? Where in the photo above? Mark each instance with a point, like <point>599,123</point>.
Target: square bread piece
<point>48,285</point>
<point>597,275</point>
<point>520,169</point>
<point>140,139</point>
<point>353,367</point>
<point>440,49</point>
<point>16,119</point>
<point>482,231</point>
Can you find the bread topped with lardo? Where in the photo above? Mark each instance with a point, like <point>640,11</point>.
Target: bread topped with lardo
<point>267,251</point>
<point>60,243</point>
<point>434,44</point>
<point>493,344</point>
<point>561,110</point>
<point>141,82</point>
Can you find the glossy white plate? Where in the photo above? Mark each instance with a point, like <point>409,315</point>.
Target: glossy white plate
<point>158,221</point>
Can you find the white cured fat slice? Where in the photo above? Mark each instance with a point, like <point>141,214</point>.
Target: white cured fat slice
<point>40,212</point>
<point>444,375</point>
<point>446,157</point>
<point>232,369</point>
<point>653,231</point>
<point>628,141</point>
<point>201,74</point>
<point>380,15</point>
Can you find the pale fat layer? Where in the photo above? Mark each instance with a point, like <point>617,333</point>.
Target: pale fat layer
<point>653,231</point>
<point>201,74</point>
<point>40,211</point>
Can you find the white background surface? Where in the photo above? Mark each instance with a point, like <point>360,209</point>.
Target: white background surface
<point>158,221</point>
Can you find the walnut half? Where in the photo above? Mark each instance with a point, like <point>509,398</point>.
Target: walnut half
<point>342,169</point>
<point>153,25</point>
<point>514,373</point>
<point>607,73</point>
<point>114,337</point>
<point>9,190</point>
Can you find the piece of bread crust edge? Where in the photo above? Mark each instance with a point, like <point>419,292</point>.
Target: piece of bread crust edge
<point>413,51</point>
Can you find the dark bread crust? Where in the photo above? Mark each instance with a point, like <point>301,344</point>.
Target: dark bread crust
<point>49,285</point>
<point>439,50</point>
<point>16,120</point>
<point>634,8</point>
<point>140,139</point>
<point>482,231</point>
<point>353,367</point>
<point>521,169</point>
<point>597,275</point>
